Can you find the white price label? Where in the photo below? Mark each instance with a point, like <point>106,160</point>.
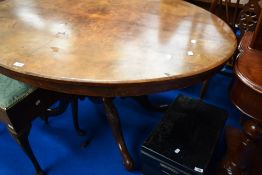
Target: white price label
<point>18,64</point>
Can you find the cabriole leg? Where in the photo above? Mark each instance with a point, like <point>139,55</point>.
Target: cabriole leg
<point>113,119</point>
<point>22,139</point>
<point>74,104</point>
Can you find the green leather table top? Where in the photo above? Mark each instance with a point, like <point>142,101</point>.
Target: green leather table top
<point>12,91</point>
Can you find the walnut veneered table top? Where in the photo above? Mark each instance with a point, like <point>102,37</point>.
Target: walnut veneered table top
<point>111,47</point>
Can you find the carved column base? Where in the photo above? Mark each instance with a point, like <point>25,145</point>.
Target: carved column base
<point>240,148</point>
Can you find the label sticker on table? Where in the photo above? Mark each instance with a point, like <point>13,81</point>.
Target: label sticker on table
<point>18,64</point>
<point>190,53</point>
<point>193,41</point>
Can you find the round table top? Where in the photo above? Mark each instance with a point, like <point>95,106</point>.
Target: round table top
<point>111,48</point>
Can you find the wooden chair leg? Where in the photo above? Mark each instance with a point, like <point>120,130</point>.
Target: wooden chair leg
<point>204,89</point>
<point>22,139</point>
<point>74,104</point>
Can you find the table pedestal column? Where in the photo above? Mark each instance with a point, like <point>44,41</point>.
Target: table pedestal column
<point>241,146</point>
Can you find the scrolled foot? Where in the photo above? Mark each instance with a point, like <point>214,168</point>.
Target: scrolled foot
<point>129,164</point>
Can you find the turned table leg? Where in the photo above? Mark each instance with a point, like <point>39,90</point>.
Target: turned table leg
<point>22,139</point>
<point>241,145</point>
<point>113,119</point>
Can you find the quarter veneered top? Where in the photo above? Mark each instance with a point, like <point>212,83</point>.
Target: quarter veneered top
<point>110,42</point>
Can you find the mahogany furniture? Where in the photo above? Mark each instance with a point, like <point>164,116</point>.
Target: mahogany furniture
<point>246,94</point>
<point>113,48</point>
<point>19,105</point>
<point>240,17</point>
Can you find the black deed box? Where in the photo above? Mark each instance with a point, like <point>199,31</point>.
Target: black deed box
<point>185,140</point>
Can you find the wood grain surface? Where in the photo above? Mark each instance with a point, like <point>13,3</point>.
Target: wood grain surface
<point>111,47</point>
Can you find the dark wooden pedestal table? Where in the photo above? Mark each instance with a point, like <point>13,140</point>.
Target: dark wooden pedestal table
<point>108,49</point>
<point>246,94</point>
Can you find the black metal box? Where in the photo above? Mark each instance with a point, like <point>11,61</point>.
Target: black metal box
<point>185,140</point>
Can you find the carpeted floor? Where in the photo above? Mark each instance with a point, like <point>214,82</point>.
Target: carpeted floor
<point>57,146</point>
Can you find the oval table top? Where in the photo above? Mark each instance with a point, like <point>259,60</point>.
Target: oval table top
<point>111,47</point>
